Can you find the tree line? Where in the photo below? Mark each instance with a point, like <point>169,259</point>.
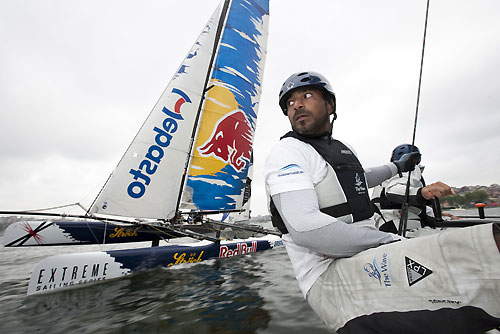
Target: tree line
<point>466,200</point>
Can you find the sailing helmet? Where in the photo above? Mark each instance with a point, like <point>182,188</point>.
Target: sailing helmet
<point>398,152</point>
<point>302,79</point>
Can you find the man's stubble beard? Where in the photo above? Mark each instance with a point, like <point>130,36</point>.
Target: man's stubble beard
<point>316,128</point>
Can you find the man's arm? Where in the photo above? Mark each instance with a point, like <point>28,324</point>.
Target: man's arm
<point>311,228</point>
<point>395,189</point>
<point>377,175</point>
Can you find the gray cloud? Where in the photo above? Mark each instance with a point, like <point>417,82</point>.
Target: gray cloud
<point>78,79</point>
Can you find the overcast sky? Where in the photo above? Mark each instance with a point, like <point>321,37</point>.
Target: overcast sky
<point>78,78</point>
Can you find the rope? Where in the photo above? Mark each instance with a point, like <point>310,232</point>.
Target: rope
<point>404,209</point>
<point>56,207</point>
<point>420,76</point>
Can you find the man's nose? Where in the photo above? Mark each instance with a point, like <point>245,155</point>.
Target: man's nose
<point>298,104</point>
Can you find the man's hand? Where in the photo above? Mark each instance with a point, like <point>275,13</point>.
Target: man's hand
<point>437,189</point>
<point>407,162</point>
<point>452,217</point>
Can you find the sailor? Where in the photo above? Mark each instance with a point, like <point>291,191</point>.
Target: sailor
<point>355,277</point>
<point>389,197</point>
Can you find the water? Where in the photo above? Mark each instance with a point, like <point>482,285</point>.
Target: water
<point>489,212</point>
<point>254,293</point>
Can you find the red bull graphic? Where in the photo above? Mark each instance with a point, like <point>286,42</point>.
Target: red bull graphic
<point>231,141</point>
<point>240,249</point>
<point>223,147</point>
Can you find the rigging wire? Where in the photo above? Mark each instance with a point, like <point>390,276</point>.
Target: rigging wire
<point>404,209</point>
<point>420,76</point>
<point>57,207</point>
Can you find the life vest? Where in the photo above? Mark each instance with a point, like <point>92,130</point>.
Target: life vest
<point>343,193</point>
<point>385,204</point>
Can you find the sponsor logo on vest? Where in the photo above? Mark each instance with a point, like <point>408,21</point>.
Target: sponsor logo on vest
<point>415,271</point>
<point>288,170</point>
<point>345,152</point>
<point>382,272</point>
<point>358,184</point>
<point>155,153</point>
<point>241,248</point>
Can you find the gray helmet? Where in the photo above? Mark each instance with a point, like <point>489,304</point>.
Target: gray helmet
<point>302,79</point>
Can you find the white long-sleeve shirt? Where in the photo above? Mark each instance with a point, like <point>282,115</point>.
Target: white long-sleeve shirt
<point>292,170</point>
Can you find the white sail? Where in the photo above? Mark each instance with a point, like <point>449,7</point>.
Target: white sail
<point>207,112</point>
<point>147,180</point>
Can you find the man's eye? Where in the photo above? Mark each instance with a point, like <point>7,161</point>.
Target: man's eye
<point>307,95</point>
<point>290,103</point>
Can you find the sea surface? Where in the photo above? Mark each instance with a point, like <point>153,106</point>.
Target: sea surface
<point>253,293</point>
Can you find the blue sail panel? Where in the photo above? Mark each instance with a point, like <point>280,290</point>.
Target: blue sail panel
<point>223,148</point>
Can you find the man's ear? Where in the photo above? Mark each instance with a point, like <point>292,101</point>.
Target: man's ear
<point>329,105</point>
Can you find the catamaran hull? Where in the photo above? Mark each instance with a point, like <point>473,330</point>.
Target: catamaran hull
<point>70,270</point>
<point>49,233</point>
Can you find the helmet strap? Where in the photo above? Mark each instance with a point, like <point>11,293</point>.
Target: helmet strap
<point>334,113</point>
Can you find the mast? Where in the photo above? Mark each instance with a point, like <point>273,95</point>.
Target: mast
<point>222,151</point>
<point>218,35</point>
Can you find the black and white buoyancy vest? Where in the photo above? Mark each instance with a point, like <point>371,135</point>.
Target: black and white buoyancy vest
<point>343,193</point>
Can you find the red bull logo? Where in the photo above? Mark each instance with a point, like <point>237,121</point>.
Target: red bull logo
<point>163,135</point>
<point>241,249</point>
<point>231,140</point>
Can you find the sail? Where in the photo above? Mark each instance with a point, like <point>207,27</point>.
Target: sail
<point>147,180</point>
<point>221,157</point>
<point>243,201</point>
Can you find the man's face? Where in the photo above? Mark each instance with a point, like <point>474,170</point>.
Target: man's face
<point>308,111</point>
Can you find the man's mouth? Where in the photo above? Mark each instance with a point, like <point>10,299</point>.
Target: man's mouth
<point>300,117</point>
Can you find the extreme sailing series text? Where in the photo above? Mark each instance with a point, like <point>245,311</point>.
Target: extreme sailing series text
<point>67,276</point>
